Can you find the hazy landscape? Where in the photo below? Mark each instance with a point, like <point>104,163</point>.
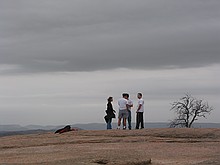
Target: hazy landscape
<point>6,130</point>
<point>158,146</point>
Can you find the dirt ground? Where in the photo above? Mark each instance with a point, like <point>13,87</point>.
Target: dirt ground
<point>111,147</point>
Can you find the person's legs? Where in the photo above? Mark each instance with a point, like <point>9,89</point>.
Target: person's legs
<point>119,122</point>
<point>119,118</point>
<point>109,124</point>
<point>124,123</point>
<point>124,116</point>
<point>129,119</point>
<point>142,119</point>
<point>137,120</point>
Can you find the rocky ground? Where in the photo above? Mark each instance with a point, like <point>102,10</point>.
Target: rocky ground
<point>121,147</point>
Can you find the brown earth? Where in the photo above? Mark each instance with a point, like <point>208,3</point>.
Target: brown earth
<point>121,147</point>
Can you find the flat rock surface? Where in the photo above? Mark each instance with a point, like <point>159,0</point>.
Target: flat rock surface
<point>122,147</point>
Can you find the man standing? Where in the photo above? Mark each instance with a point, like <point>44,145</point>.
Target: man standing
<point>123,110</point>
<point>130,105</point>
<point>140,112</point>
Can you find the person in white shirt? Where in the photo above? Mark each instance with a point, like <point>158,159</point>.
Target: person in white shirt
<point>130,105</point>
<point>140,112</point>
<point>123,110</point>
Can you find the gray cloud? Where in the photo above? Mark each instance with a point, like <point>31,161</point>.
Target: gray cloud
<point>53,36</point>
<point>80,97</point>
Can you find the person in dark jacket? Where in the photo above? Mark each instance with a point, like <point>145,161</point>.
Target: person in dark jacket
<point>110,113</point>
<point>66,129</point>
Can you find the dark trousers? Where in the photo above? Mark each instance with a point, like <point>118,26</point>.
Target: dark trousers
<point>109,123</point>
<point>129,119</point>
<point>139,120</point>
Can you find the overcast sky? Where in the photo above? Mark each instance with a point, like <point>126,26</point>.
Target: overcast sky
<point>61,59</point>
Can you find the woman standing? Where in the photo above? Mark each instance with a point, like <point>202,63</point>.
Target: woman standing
<point>110,113</point>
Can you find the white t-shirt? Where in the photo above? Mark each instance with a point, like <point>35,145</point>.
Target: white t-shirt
<point>122,103</point>
<point>130,102</point>
<point>141,102</point>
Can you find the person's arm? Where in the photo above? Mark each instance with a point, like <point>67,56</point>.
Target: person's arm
<point>111,107</point>
<point>108,107</point>
<point>127,106</point>
<point>139,107</point>
<point>131,104</point>
<point>140,104</point>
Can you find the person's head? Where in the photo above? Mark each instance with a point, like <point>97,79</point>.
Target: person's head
<point>125,95</point>
<point>139,95</point>
<point>110,99</point>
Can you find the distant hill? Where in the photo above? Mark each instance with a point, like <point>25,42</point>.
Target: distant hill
<point>11,133</point>
<point>206,125</point>
<point>12,128</point>
<point>6,130</point>
<point>28,127</point>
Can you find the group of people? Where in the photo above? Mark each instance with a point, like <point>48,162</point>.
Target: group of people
<point>124,114</point>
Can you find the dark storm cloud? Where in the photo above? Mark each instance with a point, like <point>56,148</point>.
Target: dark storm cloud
<point>51,36</point>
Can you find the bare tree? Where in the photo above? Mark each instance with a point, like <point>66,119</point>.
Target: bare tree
<point>188,110</point>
